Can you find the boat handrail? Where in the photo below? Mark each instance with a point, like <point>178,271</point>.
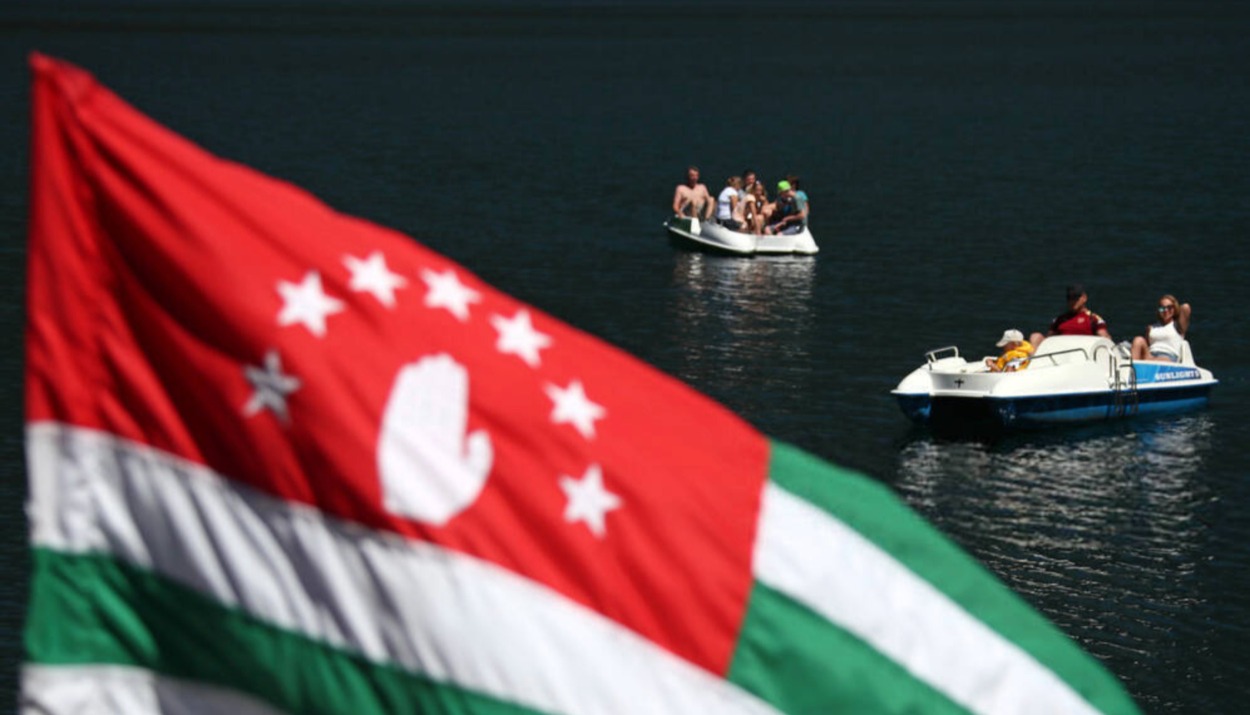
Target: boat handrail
<point>933,355</point>
<point>1053,362</point>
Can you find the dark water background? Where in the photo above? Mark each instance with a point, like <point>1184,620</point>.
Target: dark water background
<point>965,161</point>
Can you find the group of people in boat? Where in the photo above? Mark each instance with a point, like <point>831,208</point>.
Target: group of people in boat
<point>743,205</point>
<point>1161,342</point>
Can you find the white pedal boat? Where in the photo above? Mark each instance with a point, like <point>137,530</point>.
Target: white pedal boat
<point>709,234</point>
<point>1070,378</point>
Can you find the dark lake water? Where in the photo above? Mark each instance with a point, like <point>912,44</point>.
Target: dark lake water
<point>965,161</point>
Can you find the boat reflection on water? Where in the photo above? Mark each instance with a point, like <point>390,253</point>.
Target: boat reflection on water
<point>1101,528</point>
<point>753,283</point>
<point>740,322</point>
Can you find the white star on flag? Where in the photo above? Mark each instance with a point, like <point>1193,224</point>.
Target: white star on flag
<point>306,302</point>
<point>372,275</point>
<point>517,336</point>
<point>271,386</point>
<point>588,501</point>
<point>446,291</point>
<point>571,405</point>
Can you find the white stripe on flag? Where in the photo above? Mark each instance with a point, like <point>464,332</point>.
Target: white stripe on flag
<point>111,689</point>
<point>827,566</point>
<point>429,610</point>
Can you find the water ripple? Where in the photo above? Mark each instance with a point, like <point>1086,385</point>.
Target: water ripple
<point>1106,530</point>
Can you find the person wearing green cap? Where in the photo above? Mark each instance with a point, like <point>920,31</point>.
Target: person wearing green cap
<point>788,217</point>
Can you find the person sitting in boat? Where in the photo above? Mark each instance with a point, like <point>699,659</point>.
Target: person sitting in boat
<point>788,217</point>
<point>749,180</point>
<point>727,204</point>
<point>1016,353</point>
<point>692,198</point>
<point>1163,339</point>
<point>1078,319</point>
<point>763,209</point>
<point>800,197</point>
<point>744,211</point>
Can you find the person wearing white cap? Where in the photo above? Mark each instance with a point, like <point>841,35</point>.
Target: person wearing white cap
<point>1016,353</point>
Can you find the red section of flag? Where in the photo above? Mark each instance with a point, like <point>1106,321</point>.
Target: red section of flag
<point>189,303</point>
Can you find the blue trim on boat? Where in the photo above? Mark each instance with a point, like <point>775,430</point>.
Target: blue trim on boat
<point>999,412</point>
<point>916,407</point>
<point>1149,373</point>
<point>1099,405</point>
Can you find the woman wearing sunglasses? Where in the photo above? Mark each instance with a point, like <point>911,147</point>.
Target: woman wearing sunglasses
<point>1163,339</point>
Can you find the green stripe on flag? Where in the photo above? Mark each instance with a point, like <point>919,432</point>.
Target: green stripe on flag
<point>93,609</point>
<point>800,663</point>
<point>872,510</point>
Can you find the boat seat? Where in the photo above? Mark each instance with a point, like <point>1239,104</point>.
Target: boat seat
<point>1187,355</point>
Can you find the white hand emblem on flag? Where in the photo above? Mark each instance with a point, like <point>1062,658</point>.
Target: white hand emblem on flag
<point>430,469</point>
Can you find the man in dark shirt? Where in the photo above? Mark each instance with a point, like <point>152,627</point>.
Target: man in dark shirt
<point>789,216</point>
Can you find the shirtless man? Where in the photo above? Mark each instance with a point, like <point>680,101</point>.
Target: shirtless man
<point>692,198</point>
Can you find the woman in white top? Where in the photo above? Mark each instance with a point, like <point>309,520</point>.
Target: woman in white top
<point>1163,339</point>
<point>727,203</point>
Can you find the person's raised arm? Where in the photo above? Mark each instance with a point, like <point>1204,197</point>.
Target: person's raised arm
<point>1182,318</point>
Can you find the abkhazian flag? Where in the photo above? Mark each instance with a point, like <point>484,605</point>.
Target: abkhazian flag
<point>285,460</point>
